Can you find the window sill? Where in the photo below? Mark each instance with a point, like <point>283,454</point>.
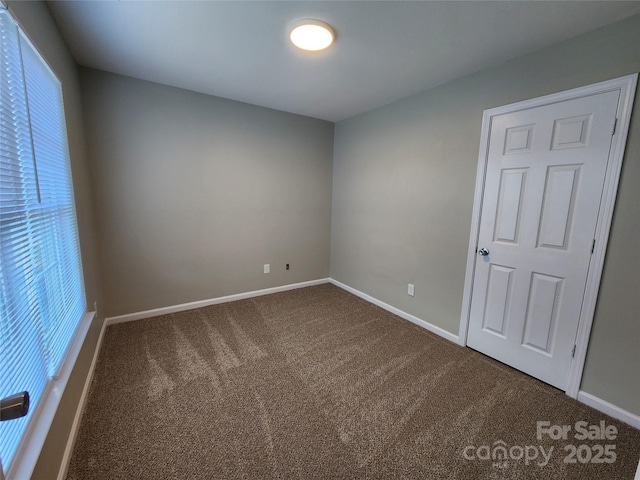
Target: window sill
<point>26,456</point>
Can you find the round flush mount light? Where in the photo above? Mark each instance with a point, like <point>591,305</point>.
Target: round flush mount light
<point>311,35</point>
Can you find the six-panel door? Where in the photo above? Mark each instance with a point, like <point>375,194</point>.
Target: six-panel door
<point>544,179</point>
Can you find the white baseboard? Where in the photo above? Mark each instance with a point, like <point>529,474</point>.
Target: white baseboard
<point>129,317</point>
<point>75,427</point>
<point>396,311</point>
<point>584,397</point>
<point>609,408</point>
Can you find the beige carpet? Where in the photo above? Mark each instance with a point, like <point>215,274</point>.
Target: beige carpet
<point>317,383</point>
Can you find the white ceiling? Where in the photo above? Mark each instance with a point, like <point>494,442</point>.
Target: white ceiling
<point>384,50</point>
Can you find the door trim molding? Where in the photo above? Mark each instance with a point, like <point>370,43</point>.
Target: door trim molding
<point>627,87</point>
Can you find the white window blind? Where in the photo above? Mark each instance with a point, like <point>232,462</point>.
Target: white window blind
<point>42,294</point>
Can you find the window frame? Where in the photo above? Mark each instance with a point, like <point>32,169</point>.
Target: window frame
<point>43,412</point>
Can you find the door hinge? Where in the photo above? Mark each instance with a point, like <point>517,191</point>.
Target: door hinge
<point>573,351</point>
<point>615,124</point>
<point>593,246</point>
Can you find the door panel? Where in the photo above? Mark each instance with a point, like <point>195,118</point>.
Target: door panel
<point>498,289</point>
<point>542,312</point>
<point>512,186</point>
<point>557,206</point>
<point>544,180</point>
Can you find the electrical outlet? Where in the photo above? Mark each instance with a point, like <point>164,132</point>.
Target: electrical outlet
<point>287,267</point>
<point>411,289</point>
<point>267,268</point>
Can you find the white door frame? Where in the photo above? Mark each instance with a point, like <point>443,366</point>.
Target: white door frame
<point>627,87</point>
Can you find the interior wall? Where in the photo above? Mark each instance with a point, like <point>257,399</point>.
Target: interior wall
<point>174,171</point>
<point>404,179</point>
<point>37,22</point>
<point>196,193</point>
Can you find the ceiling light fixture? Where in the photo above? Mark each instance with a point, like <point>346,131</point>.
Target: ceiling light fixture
<point>312,35</point>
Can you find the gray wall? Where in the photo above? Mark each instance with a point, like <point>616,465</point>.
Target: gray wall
<point>404,178</point>
<point>37,22</point>
<point>195,193</point>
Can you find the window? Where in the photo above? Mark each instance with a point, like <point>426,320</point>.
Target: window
<point>41,288</point>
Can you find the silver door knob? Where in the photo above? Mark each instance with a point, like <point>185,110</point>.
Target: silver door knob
<point>483,252</point>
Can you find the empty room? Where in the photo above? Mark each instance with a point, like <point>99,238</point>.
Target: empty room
<point>319,239</point>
